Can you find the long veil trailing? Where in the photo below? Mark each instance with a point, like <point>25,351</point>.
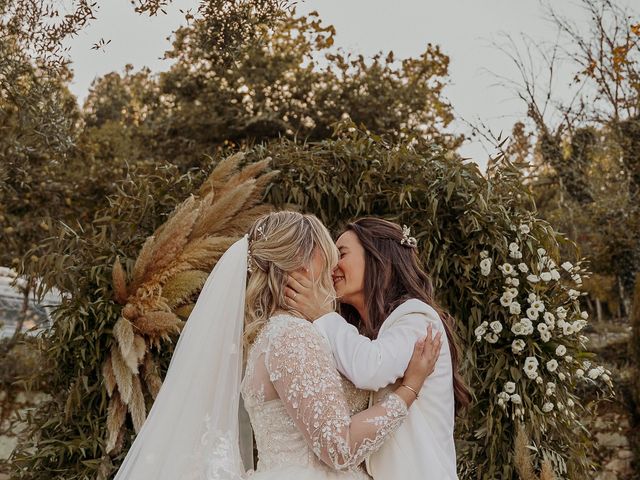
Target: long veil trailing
<point>192,431</point>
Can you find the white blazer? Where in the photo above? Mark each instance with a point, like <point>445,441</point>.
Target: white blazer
<point>423,447</point>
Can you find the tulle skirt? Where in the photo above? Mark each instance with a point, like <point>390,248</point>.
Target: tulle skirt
<point>299,472</point>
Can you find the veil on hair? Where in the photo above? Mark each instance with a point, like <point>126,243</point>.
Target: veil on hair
<point>193,429</point>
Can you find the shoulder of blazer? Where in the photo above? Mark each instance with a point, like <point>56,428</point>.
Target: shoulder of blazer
<point>413,306</point>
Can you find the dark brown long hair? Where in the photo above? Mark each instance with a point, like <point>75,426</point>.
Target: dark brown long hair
<point>393,275</point>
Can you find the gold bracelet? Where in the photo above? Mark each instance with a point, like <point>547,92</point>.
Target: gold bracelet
<point>407,386</point>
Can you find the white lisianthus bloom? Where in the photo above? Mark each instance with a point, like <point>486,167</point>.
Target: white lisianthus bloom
<point>504,395</point>
<point>484,254</point>
<point>485,266</point>
<point>517,346</point>
<point>515,399</point>
<point>531,278</point>
<point>515,282</point>
<point>545,276</point>
<point>555,274</point>
<point>523,267</point>
<point>524,228</point>
<point>594,373</point>
<point>510,387</point>
<point>496,326</point>
<point>532,298</point>
<point>491,337</point>
<point>567,329</point>
<point>506,299</point>
<point>538,305</point>
<point>513,292</point>
<point>513,247</point>
<point>532,313</point>
<point>514,308</point>
<point>518,329</point>
<point>578,325</point>
<point>550,320</point>
<point>481,329</point>
<point>551,388</point>
<point>506,268</point>
<point>500,402</point>
<point>573,294</point>
<point>528,326</point>
<point>507,281</point>
<point>243,89</point>
<point>584,315</point>
<point>542,327</point>
<point>539,380</point>
<point>561,350</point>
<point>545,336</point>
<point>561,313</point>
<point>547,407</point>
<point>552,365</point>
<point>579,373</point>
<point>568,358</point>
<point>567,266</point>
<point>531,367</point>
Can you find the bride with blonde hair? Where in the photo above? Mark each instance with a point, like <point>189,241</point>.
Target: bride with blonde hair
<point>308,421</point>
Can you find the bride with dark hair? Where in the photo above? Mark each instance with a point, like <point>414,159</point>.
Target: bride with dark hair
<point>386,302</point>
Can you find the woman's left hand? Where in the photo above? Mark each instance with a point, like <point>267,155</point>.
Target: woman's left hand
<point>306,298</point>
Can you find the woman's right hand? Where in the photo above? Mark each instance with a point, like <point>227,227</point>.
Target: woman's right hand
<point>423,361</point>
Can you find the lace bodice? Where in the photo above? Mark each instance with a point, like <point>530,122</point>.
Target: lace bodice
<point>302,411</point>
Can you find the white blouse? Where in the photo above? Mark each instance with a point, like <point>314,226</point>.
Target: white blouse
<point>423,446</point>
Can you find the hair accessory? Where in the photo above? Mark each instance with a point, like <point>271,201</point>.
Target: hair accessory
<point>250,262</point>
<point>407,239</point>
<point>261,232</point>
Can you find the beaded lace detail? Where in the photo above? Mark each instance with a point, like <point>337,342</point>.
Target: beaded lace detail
<point>302,411</point>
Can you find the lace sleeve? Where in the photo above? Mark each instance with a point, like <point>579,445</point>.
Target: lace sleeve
<point>302,371</point>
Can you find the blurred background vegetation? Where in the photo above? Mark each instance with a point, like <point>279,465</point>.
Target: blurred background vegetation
<point>83,184</point>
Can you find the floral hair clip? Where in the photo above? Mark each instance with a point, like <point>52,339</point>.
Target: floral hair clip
<point>407,239</point>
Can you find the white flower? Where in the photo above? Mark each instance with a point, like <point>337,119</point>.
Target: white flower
<point>513,247</point>
<point>491,337</point>
<point>481,329</point>
<point>594,373</point>
<point>506,268</point>
<point>531,278</point>
<point>531,367</point>
<point>513,292</point>
<point>545,336</point>
<point>539,380</point>
<point>577,278</point>
<point>584,315</point>
<point>549,319</point>
<point>515,282</point>
<point>568,358</point>
<point>561,350</point>
<point>579,373</point>
<point>528,326</point>
<point>532,313</point>
<point>515,398</point>
<point>532,298</point>
<point>567,328</point>
<point>496,326</point>
<point>542,252</point>
<point>545,276</point>
<point>573,294</point>
<point>551,263</point>
<point>485,266</point>
<point>578,325</point>
<point>552,365</point>
<point>538,305</point>
<point>505,299</point>
<point>570,403</point>
<point>561,376</point>
<point>510,387</point>
<point>555,274</point>
<point>547,407</point>
<point>517,346</point>
<point>484,254</point>
<point>561,313</point>
<point>517,255</point>
<point>551,388</point>
<point>567,266</point>
<point>514,308</point>
<point>518,329</point>
<point>523,267</point>
<point>504,396</point>
<point>524,229</point>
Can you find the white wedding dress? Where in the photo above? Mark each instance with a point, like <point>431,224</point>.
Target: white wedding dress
<point>304,414</point>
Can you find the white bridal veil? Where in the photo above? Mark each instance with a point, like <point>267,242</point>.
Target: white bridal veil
<point>192,430</point>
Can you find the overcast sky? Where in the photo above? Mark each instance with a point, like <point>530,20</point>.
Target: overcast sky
<point>465,30</point>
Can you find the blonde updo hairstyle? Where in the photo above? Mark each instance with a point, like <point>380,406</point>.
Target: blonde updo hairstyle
<point>281,243</point>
